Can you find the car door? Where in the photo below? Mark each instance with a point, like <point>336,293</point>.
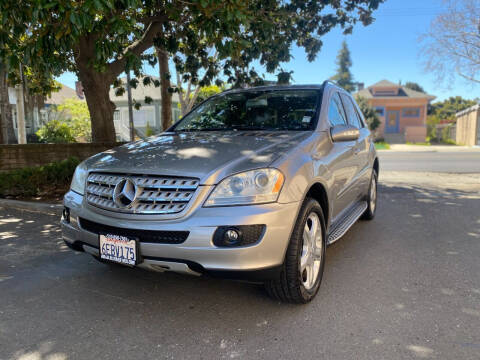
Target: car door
<point>361,147</point>
<point>342,165</point>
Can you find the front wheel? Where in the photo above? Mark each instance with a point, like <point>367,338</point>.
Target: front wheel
<point>302,270</point>
<point>369,213</point>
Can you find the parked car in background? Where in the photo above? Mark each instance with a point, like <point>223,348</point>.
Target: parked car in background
<point>251,184</point>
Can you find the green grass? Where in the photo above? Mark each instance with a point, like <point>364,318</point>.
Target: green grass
<point>381,145</point>
<point>418,143</point>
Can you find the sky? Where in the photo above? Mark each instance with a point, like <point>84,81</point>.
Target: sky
<point>387,49</point>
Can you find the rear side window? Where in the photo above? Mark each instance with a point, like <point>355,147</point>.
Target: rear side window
<point>336,114</point>
<point>352,114</point>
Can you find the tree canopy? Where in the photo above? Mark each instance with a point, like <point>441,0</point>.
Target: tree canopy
<point>446,110</point>
<point>369,113</point>
<point>100,39</point>
<point>414,86</point>
<point>344,77</point>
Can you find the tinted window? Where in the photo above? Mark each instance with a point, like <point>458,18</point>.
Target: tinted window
<point>336,114</point>
<point>352,115</point>
<point>254,110</point>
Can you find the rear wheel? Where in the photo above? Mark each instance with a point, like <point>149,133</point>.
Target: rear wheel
<point>302,270</point>
<point>369,213</point>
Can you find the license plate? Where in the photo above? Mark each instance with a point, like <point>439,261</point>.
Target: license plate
<point>119,249</point>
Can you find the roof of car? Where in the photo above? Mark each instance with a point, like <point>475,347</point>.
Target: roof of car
<point>279,87</point>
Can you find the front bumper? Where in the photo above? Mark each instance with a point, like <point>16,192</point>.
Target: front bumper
<point>197,253</point>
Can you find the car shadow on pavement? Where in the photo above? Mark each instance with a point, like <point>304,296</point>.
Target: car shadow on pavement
<point>376,291</point>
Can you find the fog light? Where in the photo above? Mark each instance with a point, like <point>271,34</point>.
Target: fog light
<point>231,237</point>
<point>66,214</point>
<point>237,235</point>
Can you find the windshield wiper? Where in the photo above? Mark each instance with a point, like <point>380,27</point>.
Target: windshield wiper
<point>250,128</point>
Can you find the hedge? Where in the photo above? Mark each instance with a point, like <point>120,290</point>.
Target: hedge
<point>48,179</point>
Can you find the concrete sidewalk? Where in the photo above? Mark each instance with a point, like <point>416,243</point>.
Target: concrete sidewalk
<point>432,148</point>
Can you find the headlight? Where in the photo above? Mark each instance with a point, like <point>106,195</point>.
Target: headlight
<point>250,187</point>
<point>79,177</point>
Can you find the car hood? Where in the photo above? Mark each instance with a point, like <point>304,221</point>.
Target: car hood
<point>209,156</point>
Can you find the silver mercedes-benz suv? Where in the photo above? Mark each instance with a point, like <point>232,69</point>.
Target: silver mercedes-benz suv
<point>251,184</point>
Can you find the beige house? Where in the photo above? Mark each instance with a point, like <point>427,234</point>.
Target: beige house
<point>402,111</point>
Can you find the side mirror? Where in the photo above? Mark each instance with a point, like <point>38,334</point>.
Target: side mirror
<point>344,133</point>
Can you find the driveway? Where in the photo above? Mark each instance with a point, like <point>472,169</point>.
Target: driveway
<point>404,286</point>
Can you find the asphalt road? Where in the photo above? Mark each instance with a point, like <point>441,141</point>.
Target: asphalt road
<point>404,286</point>
<point>447,162</point>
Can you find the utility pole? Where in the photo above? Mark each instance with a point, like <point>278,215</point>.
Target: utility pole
<point>130,108</point>
<point>21,133</point>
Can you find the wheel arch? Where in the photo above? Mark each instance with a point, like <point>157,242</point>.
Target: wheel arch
<point>318,192</point>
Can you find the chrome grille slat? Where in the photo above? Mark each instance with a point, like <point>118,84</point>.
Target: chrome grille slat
<point>155,195</point>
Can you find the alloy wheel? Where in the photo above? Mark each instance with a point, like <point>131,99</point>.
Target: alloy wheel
<point>312,251</point>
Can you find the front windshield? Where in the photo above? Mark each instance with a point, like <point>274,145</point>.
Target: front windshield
<point>254,110</point>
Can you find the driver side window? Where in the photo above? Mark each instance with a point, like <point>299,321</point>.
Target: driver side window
<point>336,114</point>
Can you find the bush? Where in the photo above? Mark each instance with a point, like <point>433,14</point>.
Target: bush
<point>56,132</point>
<point>75,114</point>
<point>446,135</point>
<point>369,112</point>
<point>33,181</point>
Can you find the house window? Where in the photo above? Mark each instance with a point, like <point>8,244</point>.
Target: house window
<point>380,110</point>
<point>116,115</point>
<point>385,93</point>
<point>411,112</point>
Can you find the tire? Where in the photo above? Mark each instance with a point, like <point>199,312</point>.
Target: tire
<point>304,251</point>
<point>369,213</point>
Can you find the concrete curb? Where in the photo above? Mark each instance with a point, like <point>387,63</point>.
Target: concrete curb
<point>431,148</point>
<point>52,209</point>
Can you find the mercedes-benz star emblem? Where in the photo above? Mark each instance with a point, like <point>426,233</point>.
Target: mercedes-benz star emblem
<point>125,193</point>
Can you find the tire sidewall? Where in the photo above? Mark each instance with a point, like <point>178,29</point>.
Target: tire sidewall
<point>374,176</point>
<point>309,207</point>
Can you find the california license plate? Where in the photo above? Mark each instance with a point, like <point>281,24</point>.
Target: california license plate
<point>119,249</point>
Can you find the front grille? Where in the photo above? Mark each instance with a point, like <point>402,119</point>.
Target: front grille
<point>154,195</point>
<point>144,236</point>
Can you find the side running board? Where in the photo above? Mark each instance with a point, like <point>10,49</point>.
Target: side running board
<point>346,222</point>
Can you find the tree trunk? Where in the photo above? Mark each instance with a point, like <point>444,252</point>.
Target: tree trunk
<point>6,121</point>
<point>164,86</point>
<point>96,87</point>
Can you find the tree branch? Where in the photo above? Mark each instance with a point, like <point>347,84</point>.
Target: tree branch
<point>116,67</point>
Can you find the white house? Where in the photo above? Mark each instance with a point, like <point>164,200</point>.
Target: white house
<point>40,116</point>
<point>147,114</point>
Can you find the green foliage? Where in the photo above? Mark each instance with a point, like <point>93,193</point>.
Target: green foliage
<point>446,135</point>
<point>75,114</point>
<point>369,112</point>
<point>344,77</point>
<point>33,181</point>
<point>57,132</point>
<point>207,91</point>
<point>426,143</point>
<point>414,86</point>
<point>100,39</point>
<point>382,145</point>
<point>446,110</point>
